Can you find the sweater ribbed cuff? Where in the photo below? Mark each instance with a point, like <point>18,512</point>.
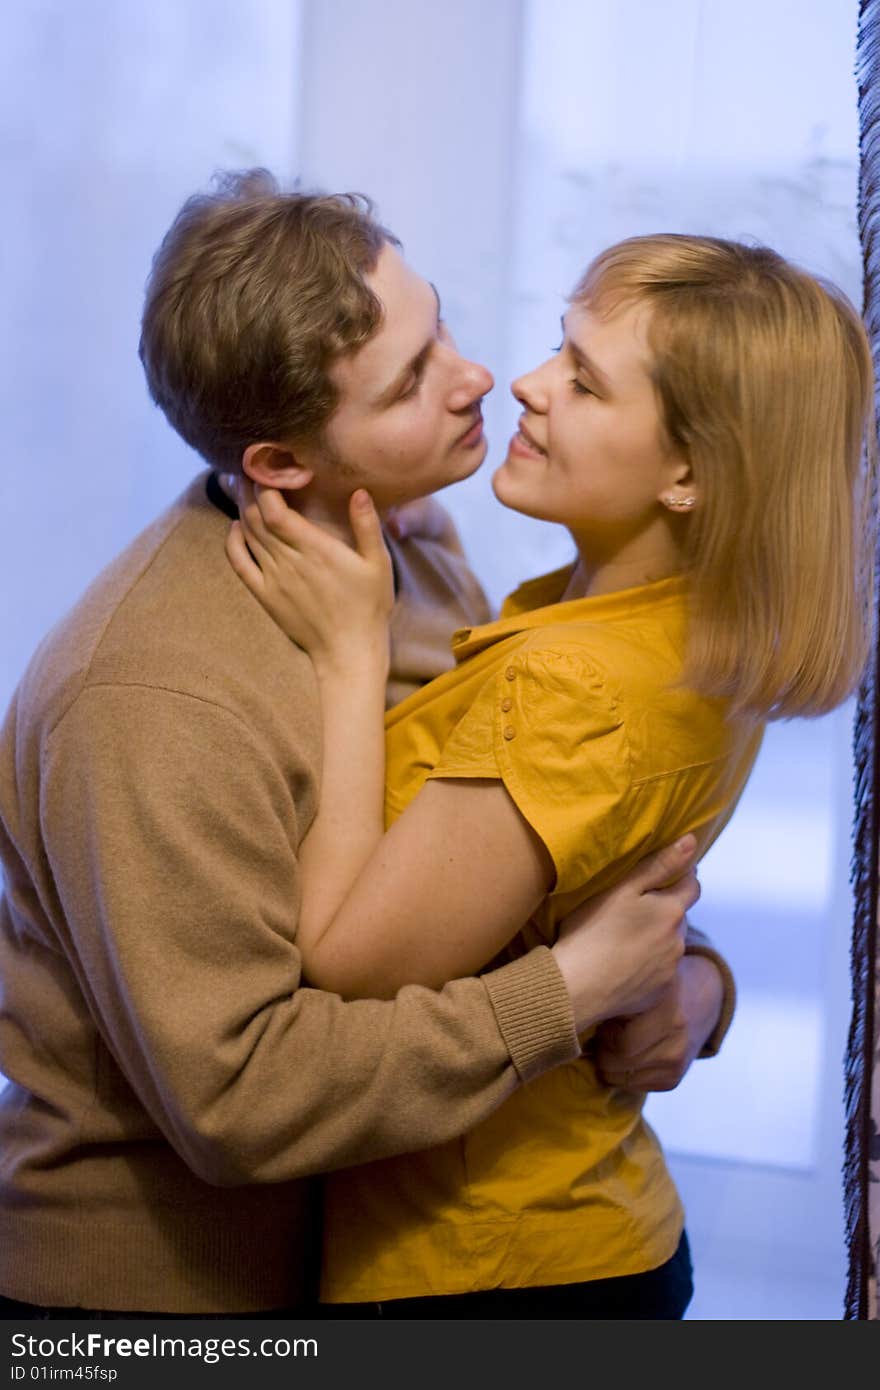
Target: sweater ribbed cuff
<point>533,1010</point>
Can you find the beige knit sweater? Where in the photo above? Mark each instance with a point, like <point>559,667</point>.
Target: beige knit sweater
<point>170,1082</point>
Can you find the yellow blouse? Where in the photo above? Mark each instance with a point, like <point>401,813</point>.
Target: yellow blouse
<point>579,709</point>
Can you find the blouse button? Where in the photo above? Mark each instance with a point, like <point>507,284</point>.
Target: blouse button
<point>510,673</point>
<point>506,703</point>
<point>509,731</point>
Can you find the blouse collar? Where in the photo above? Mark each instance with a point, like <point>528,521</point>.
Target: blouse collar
<point>538,603</point>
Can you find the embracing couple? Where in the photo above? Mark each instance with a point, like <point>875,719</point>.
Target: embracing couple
<point>248,938</point>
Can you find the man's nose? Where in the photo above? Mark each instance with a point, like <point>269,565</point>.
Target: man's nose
<point>474,381</point>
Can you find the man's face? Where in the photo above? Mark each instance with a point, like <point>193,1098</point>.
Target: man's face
<point>408,420</point>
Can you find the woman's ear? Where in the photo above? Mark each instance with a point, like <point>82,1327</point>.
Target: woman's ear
<point>275,465</point>
<point>680,493</point>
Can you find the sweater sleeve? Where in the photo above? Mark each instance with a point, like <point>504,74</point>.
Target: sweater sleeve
<point>171,834</point>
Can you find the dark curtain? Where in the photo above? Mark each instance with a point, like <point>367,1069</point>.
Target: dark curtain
<point>862,1081</point>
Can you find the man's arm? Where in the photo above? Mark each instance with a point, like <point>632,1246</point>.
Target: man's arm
<point>172,834</point>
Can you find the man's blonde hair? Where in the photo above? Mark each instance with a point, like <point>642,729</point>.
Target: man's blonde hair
<point>766,384</point>
<point>252,295</point>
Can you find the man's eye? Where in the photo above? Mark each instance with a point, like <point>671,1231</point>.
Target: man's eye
<point>410,390</point>
<point>580,389</point>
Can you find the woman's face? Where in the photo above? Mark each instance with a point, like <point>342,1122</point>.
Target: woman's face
<point>590,451</point>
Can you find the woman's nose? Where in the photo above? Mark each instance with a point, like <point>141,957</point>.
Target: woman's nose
<point>529,389</point>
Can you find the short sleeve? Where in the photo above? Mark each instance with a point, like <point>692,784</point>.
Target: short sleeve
<point>550,725</point>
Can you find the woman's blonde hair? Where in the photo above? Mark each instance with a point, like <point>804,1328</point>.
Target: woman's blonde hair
<point>766,384</point>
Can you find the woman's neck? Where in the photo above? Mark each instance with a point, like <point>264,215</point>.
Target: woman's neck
<point>657,553</point>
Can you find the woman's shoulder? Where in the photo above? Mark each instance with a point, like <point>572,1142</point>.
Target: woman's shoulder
<point>558,683</point>
<point>565,652</point>
<point>591,673</point>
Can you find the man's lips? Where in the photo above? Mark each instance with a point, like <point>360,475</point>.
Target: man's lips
<point>474,432</point>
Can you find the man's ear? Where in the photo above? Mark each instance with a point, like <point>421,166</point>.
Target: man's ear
<point>275,465</point>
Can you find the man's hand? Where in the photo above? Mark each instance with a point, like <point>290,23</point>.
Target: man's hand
<point>651,1051</point>
<point>627,943</point>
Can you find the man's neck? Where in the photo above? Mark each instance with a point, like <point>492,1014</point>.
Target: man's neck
<point>332,516</point>
<point>329,516</point>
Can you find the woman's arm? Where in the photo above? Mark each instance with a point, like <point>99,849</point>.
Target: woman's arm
<point>461,871</point>
<point>451,882</point>
<point>334,601</point>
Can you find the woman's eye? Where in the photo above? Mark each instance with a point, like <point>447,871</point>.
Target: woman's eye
<point>410,390</point>
<point>579,388</point>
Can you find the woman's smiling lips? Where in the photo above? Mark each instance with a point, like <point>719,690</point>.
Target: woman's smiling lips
<point>522,443</point>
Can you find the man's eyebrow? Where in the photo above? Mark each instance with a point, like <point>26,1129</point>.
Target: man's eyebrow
<point>584,361</point>
<point>413,368</point>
